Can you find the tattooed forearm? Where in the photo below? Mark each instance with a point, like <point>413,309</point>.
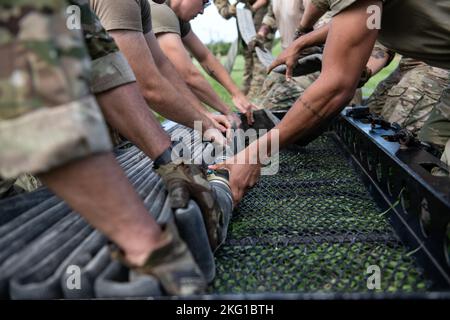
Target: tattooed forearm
<point>211,73</point>
<point>313,111</point>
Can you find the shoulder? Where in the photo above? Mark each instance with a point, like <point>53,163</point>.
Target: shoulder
<point>164,19</point>
<point>118,14</point>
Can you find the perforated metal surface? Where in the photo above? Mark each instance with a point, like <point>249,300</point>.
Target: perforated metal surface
<point>312,227</point>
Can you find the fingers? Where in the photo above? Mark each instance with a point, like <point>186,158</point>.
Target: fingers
<point>235,121</point>
<point>274,64</point>
<point>226,122</point>
<point>289,71</point>
<point>215,136</point>
<point>254,179</point>
<point>219,166</point>
<point>250,118</point>
<point>236,190</point>
<point>229,134</point>
<point>238,194</point>
<point>221,122</point>
<point>221,141</point>
<point>222,128</point>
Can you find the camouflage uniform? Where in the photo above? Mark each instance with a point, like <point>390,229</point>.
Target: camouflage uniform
<point>279,94</point>
<point>409,103</point>
<point>436,128</point>
<point>254,70</point>
<point>48,115</point>
<point>377,99</point>
<point>445,159</point>
<point>224,8</point>
<point>410,95</point>
<point>425,44</point>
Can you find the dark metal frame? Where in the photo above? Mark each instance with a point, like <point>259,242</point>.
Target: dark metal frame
<point>417,203</point>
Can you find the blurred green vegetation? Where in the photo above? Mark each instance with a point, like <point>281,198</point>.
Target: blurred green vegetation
<point>219,48</point>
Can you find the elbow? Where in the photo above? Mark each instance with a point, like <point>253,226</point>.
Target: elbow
<point>153,94</point>
<point>341,92</point>
<point>191,77</point>
<point>344,96</point>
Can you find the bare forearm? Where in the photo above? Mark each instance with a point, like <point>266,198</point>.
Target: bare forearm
<point>213,67</point>
<point>169,71</point>
<point>206,93</point>
<point>311,113</point>
<point>259,4</point>
<point>123,106</point>
<point>346,54</point>
<point>311,15</point>
<point>171,103</point>
<point>314,38</point>
<point>159,93</point>
<point>97,188</point>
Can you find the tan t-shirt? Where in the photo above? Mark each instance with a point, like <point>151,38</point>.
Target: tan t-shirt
<point>165,20</point>
<point>133,15</point>
<point>418,29</point>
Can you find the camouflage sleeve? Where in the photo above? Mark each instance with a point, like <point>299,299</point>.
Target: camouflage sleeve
<point>110,69</point>
<point>47,115</point>
<point>224,8</point>
<point>322,5</point>
<point>325,19</point>
<point>269,18</point>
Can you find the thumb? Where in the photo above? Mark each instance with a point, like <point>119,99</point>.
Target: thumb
<point>273,65</point>
<point>250,118</point>
<point>222,128</point>
<point>218,166</point>
<point>289,71</point>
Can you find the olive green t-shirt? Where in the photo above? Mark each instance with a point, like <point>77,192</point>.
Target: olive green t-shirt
<point>418,29</point>
<point>133,15</point>
<point>164,20</point>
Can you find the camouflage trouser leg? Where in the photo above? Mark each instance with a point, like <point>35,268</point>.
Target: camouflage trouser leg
<point>248,70</point>
<point>437,128</point>
<point>357,98</point>
<point>258,77</point>
<point>279,94</point>
<point>446,155</point>
<point>259,72</point>
<point>445,159</point>
<point>377,100</point>
<point>410,102</point>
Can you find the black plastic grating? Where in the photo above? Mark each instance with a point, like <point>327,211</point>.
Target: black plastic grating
<point>334,267</point>
<point>312,227</point>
